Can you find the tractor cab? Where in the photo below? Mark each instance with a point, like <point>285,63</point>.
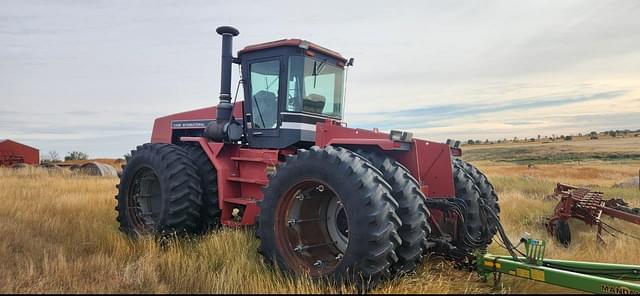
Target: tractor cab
<point>289,85</point>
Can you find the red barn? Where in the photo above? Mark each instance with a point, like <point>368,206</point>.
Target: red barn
<point>13,152</point>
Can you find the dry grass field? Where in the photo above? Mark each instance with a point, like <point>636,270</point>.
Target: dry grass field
<point>59,235</point>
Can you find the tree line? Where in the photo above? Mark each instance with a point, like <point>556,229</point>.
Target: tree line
<point>593,135</point>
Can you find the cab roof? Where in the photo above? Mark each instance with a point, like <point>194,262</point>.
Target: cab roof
<point>294,42</point>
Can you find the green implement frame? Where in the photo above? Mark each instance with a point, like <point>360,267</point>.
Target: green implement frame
<point>601,278</point>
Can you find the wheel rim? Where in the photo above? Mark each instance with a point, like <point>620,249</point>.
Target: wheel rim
<point>143,201</point>
<point>312,228</point>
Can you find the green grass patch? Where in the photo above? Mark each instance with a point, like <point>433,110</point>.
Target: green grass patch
<point>540,155</point>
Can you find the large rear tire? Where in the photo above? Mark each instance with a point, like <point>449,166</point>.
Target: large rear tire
<point>210,211</point>
<point>159,192</point>
<point>328,213</point>
<point>412,210</point>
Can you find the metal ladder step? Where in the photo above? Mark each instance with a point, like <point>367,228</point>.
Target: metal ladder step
<point>247,180</point>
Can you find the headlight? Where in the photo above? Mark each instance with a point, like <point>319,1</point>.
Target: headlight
<point>401,136</point>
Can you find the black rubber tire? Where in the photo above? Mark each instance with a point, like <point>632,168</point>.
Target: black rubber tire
<point>412,210</point>
<point>487,191</point>
<point>369,206</point>
<point>179,187</point>
<point>562,232</point>
<point>468,192</point>
<point>210,211</point>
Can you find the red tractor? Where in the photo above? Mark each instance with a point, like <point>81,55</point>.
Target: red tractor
<point>338,203</point>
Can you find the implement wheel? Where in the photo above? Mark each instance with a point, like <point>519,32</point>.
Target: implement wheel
<point>329,214</point>
<point>412,210</point>
<point>562,232</point>
<point>159,192</point>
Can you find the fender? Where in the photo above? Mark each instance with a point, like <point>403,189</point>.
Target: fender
<point>427,161</point>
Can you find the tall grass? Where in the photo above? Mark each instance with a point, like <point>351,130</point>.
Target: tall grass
<point>59,235</point>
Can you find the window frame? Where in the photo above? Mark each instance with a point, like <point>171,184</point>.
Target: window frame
<point>341,111</point>
<point>278,95</point>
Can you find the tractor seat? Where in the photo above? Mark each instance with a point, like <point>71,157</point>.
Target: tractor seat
<point>313,103</point>
<point>267,103</point>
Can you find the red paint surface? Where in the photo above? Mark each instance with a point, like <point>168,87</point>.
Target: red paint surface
<point>242,172</point>
<point>575,204</point>
<point>12,152</point>
<point>294,42</point>
<point>162,126</point>
<point>429,162</point>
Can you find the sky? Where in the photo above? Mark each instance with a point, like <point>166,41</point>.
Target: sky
<point>93,75</point>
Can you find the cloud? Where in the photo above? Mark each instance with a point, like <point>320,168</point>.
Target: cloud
<point>99,146</point>
<point>494,127</point>
<point>76,124</point>
<point>82,113</point>
<point>523,122</point>
<point>431,116</point>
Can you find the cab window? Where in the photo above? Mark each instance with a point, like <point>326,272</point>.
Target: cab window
<point>314,86</point>
<point>265,83</point>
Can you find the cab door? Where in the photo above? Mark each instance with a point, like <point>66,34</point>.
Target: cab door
<point>262,112</point>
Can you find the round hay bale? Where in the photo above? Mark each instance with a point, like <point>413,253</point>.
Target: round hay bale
<point>98,169</point>
<point>20,166</point>
<point>51,167</point>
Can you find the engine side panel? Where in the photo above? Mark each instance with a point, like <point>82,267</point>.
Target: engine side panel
<point>169,129</point>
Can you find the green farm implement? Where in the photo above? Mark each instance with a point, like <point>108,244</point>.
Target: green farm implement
<point>599,278</point>
<point>584,276</point>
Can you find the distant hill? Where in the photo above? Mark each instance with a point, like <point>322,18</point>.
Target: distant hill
<point>577,149</point>
<point>593,135</point>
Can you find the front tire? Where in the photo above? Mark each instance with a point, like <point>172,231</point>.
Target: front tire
<point>159,192</point>
<point>316,199</point>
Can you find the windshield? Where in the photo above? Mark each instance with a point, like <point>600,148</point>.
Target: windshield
<point>314,86</point>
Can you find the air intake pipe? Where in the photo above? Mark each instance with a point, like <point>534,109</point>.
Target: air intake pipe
<point>224,128</point>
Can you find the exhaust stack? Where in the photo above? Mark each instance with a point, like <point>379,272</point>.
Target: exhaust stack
<point>224,129</point>
<point>224,107</point>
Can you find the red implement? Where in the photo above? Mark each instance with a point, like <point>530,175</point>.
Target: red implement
<point>588,206</point>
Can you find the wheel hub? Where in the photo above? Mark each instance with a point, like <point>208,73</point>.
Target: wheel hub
<point>144,201</point>
<point>312,227</point>
<point>337,224</point>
